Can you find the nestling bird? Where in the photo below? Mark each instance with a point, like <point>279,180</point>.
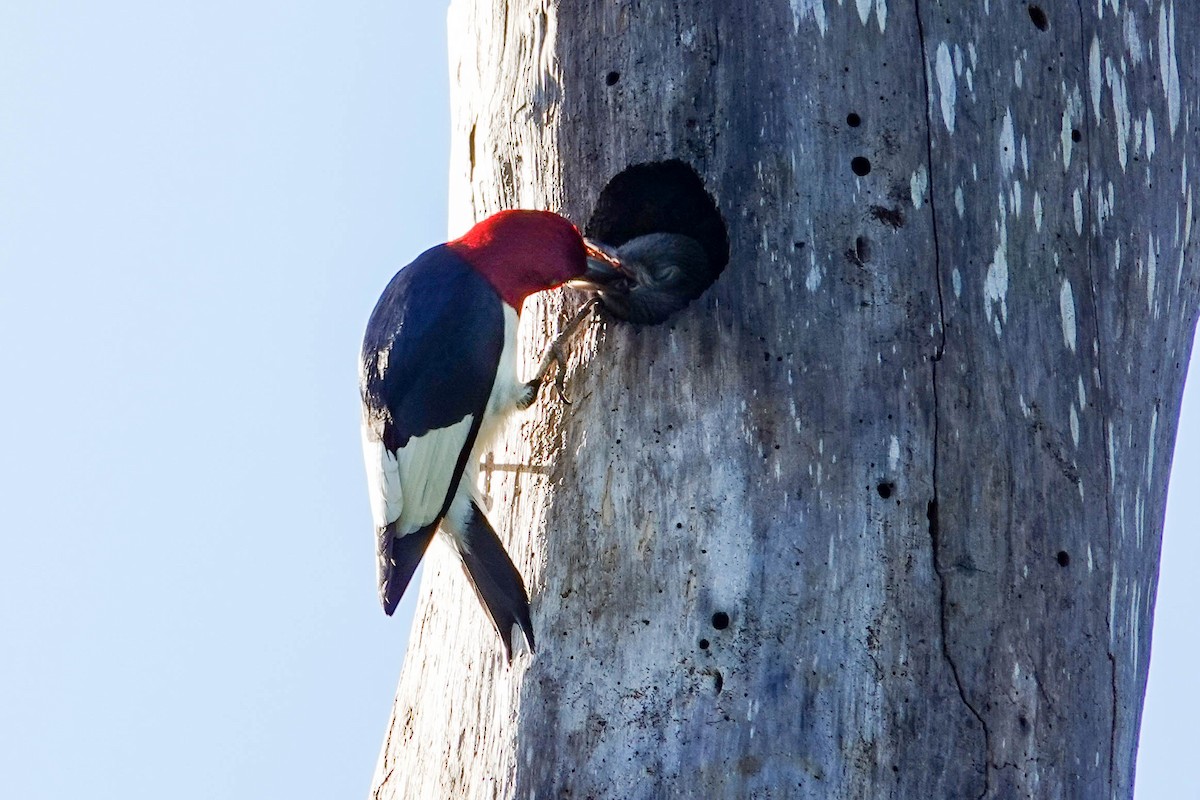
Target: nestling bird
<point>438,376</point>
<point>649,278</point>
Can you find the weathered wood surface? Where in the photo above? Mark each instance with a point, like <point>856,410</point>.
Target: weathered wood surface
<point>914,443</point>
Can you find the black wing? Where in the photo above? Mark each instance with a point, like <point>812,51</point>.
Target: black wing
<point>429,360</point>
<point>431,348</point>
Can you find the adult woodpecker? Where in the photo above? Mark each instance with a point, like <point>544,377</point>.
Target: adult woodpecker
<point>437,377</point>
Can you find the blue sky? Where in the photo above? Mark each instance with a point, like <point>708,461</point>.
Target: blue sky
<point>199,204</point>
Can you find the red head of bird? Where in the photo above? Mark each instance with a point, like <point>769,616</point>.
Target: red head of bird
<point>520,252</point>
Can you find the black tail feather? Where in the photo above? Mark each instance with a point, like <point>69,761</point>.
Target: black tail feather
<point>495,579</point>
<point>398,557</point>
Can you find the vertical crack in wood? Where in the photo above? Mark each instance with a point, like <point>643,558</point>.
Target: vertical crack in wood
<point>1091,127</point>
<point>934,530</point>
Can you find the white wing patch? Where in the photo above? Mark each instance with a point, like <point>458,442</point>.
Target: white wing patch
<point>410,484</point>
<point>383,479</point>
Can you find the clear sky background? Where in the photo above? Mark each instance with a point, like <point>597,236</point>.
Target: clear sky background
<point>199,204</point>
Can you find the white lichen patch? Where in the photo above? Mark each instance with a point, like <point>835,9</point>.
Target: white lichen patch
<point>1151,144</point>
<point>947,87</point>
<point>1105,202</point>
<point>1072,115</point>
<point>812,281</point>
<point>1168,65</point>
<point>864,9</point>
<point>1112,608</point>
<point>1094,75</point>
<point>864,12</point>
<point>1077,202</point>
<point>1133,39</point>
<point>1074,426</point>
<point>1008,144</point>
<point>803,9</point>
<point>1082,395</point>
<point>1112,458</point>
<point>995,285</point>
<point>893,454</point>
<point>1151,271</point>
<point>956,281</point>
<point>1066,308</point>
<point>960,204</point>
<point>1120,105</point>
<point>918,184</point>
<point>1037,211</point>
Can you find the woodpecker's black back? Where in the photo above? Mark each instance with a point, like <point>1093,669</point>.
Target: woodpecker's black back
<point>431,348</point>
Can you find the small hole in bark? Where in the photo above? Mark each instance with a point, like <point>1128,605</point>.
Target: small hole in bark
<point>1063,558</point>
<point>1023,722</point>
<point>853,120</point>
<point>1039,18</point>
<point>704,644</point>
<point>612,78</point>
<point>1076,135</point>
<point>885,489</point>
<point>678,525</point>
<point>718,682</point>
<point>720,620</point>
<point>862,251</point>
<point>861,165</point>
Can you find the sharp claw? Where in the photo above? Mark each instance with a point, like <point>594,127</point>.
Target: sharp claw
<point>561,377</point>
<point>532,388</point>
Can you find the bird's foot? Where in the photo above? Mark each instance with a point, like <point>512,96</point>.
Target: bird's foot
<point>556,356</point>
<point>553,357</point>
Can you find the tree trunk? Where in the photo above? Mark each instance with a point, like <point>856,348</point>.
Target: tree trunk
<point>879,515</point>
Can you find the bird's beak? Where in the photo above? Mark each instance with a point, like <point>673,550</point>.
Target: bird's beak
<point>603,267</point>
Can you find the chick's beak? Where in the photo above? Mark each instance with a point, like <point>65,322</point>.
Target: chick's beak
<point>603,268</point>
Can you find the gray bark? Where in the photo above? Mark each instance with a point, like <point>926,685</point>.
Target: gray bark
<point>914,443</point>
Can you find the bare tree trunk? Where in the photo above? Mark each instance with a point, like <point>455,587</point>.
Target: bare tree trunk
<point>878,516</point>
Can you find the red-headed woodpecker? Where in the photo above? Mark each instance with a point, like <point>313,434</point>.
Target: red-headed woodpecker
<point>437,377</point>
